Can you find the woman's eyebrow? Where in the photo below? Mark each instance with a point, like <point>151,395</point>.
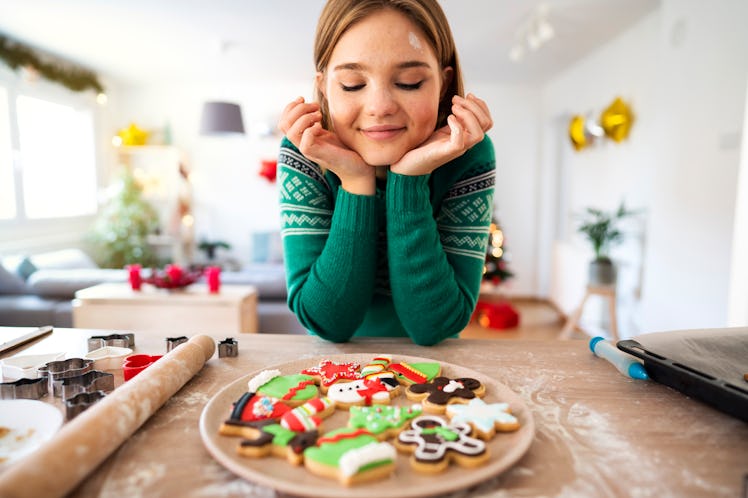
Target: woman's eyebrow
<point>355,66</point>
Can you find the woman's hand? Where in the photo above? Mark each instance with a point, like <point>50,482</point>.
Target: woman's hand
<point>301,122</point>
<point>466,126</point>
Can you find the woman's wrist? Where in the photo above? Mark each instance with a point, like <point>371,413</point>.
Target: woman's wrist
<point>359,185</point>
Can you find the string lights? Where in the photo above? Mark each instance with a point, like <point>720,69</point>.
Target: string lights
<point>533,33</point>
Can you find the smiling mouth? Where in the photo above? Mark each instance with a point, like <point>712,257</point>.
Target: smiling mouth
<point>382,132</point>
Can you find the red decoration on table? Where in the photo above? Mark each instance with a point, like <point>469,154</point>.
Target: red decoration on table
<point>136,363</point>
<point>213,275</point>
<point>268,169</point>
<point>134,276</point>
<point>174,272</point>
<point>501,315</point>
<point>172,277</point>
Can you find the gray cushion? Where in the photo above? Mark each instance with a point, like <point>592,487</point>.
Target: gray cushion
<point>65,283</point>
<point>11,283</point>
<point>62,259</point>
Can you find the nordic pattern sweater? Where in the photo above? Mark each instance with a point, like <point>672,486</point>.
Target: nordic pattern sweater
<point>407,261</point>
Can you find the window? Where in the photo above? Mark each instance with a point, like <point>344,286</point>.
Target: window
<point>47,158</point>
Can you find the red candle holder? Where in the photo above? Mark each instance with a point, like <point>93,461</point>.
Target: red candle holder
<point>213,275</point>
<point>174,272</point>
<point>136,280</point>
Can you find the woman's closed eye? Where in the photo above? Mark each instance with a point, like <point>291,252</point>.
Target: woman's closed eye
<point>409,86</point>
<point>351,88</point>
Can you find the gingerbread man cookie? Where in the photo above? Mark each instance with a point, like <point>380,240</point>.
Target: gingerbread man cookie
<point>294,390</point>
<point>274,439</point>
<point>434,444</point>
<point>442,391</point>
<point>382,421</point>
<point>329,372</point>
<point>484,418</point>
<point>351,456</point>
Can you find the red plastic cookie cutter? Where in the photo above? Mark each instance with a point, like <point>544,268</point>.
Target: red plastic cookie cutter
<point>136,363</point>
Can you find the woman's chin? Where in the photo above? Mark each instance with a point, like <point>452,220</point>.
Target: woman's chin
<point>381,158</point>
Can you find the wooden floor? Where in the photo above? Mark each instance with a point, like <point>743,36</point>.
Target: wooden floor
<point>538,320</point>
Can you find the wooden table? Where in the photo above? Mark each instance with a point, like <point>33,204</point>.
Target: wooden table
<point>189,311</point>
<point>598,432</point>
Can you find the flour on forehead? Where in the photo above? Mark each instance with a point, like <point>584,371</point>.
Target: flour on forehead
<point>414,41</point>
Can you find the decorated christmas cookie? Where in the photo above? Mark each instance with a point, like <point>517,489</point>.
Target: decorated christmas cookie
<point>415,373</point>
<point>442,391</point>
<point>294,389</point>
<point>351,456</point>
<point>274,439</point>
<point>329,372</point>
<point>434,444</point>
<point>484,418</point>
<point>309,415</point>
<point>252,407</point>
<point>362,392</point>
<point>383,421</point>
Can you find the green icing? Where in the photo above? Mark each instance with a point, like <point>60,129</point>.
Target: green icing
<point>378,419</point>
<point>279,386</point>
<point>430,370</point>
<point>281,435</point>
<point>445,433</point>
<point>331,453</point>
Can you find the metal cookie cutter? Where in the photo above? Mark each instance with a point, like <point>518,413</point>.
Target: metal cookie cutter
<point>172,342</point>
<point>228,347</point>
<point>94,380</point>
<point>77,404</point>
<point>116,340</point>
<point>24,389</point>
<point>55,371</point>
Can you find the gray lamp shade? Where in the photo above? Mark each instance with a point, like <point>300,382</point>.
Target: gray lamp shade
<point>219,118</point>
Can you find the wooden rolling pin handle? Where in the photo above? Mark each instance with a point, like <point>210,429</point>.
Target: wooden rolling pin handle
<point>86,441</point>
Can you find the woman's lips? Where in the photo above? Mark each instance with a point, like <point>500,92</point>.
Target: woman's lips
<point>382,132</point>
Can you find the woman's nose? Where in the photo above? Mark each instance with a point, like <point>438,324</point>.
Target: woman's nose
<point>380,102</point>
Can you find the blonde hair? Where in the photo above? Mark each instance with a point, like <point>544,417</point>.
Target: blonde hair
<point>339,15</point>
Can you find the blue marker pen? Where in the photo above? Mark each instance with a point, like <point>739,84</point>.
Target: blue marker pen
<point>625,363</point>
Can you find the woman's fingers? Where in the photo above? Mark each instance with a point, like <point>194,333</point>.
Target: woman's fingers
<point>294,112</point>
<point>477,107</point>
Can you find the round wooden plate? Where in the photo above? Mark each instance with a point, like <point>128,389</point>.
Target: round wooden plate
<point>277,473</point>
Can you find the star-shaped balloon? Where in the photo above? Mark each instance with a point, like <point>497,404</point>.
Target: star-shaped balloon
<point>132,135</point>
<point>616,120</point>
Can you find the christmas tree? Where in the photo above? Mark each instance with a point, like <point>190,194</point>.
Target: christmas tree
<point>495,267</point>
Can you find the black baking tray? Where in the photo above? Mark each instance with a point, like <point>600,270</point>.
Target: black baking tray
<point>718,393</point>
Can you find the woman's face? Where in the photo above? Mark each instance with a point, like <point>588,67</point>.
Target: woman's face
<point>382,86</point>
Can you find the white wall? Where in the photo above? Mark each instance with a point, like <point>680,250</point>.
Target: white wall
<point>683,70</point>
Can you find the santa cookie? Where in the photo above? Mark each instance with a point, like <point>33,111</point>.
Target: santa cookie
<point>351,456</point>
<point>294,390</point>
<point>383,421</point>
<point>363,392</point>
<point>436,395</point>
<point>274,439</point>
<point>329,372</point>
<point>484,418</point>
<point>434,444</point>
<point>250,408</point>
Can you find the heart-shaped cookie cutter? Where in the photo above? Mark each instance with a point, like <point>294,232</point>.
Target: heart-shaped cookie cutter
<point>136,363</point>
<point>94,380</point>
<point>55,371</point>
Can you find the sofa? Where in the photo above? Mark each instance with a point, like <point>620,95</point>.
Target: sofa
<point>39,289</point>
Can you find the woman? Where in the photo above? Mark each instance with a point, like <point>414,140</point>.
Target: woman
<point>386,182</point>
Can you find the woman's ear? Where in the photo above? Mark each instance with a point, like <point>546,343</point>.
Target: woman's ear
<point>447,75</point>
<point>319,82</point>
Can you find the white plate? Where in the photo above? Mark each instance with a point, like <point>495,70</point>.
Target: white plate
<point>276,473</point>
<point>24,426</point>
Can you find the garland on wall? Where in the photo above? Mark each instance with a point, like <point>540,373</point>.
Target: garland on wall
<point>16,55</point>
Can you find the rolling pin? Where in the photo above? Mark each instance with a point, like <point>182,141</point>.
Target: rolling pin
<point>82,444</point>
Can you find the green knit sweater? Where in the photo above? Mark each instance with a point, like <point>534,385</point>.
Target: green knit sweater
<point>407,261</point>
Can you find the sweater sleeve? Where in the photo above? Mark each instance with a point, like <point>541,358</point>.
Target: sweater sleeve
<point>436,260</point>
<point>329,248</point>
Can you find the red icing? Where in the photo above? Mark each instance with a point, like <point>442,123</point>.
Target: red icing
<point>408,372</point>
<point>373,386</point>
<point>331,372</point>
<point>292,392</point>
<point>342,436</point>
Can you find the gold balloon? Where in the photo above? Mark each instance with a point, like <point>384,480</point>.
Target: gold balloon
<point>616,120</point>
<point>133,135</point>
<point>577,132</point>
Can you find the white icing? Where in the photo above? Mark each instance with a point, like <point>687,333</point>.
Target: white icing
<point>353,460</point>
<point>261,379</point>
<point>414,41</point>
<point>453,386</point>
<point>347,392</point>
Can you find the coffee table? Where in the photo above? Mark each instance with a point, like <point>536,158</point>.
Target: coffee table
<point>187,311</point>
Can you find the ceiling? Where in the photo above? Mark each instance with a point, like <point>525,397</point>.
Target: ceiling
<point>140,42</point>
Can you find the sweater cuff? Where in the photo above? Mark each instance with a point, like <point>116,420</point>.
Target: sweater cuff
<point>406,193</point>
<point>355,213</point>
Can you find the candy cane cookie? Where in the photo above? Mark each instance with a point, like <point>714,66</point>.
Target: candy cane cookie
<point>309,415</point>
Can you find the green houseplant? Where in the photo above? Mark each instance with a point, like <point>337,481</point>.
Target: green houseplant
<point>601,229</point>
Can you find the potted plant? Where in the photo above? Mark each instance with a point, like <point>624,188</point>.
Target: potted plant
<point>601,229</point>
<point>209,247</point>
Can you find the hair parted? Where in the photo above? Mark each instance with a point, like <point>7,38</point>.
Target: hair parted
<point>339,15</point>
